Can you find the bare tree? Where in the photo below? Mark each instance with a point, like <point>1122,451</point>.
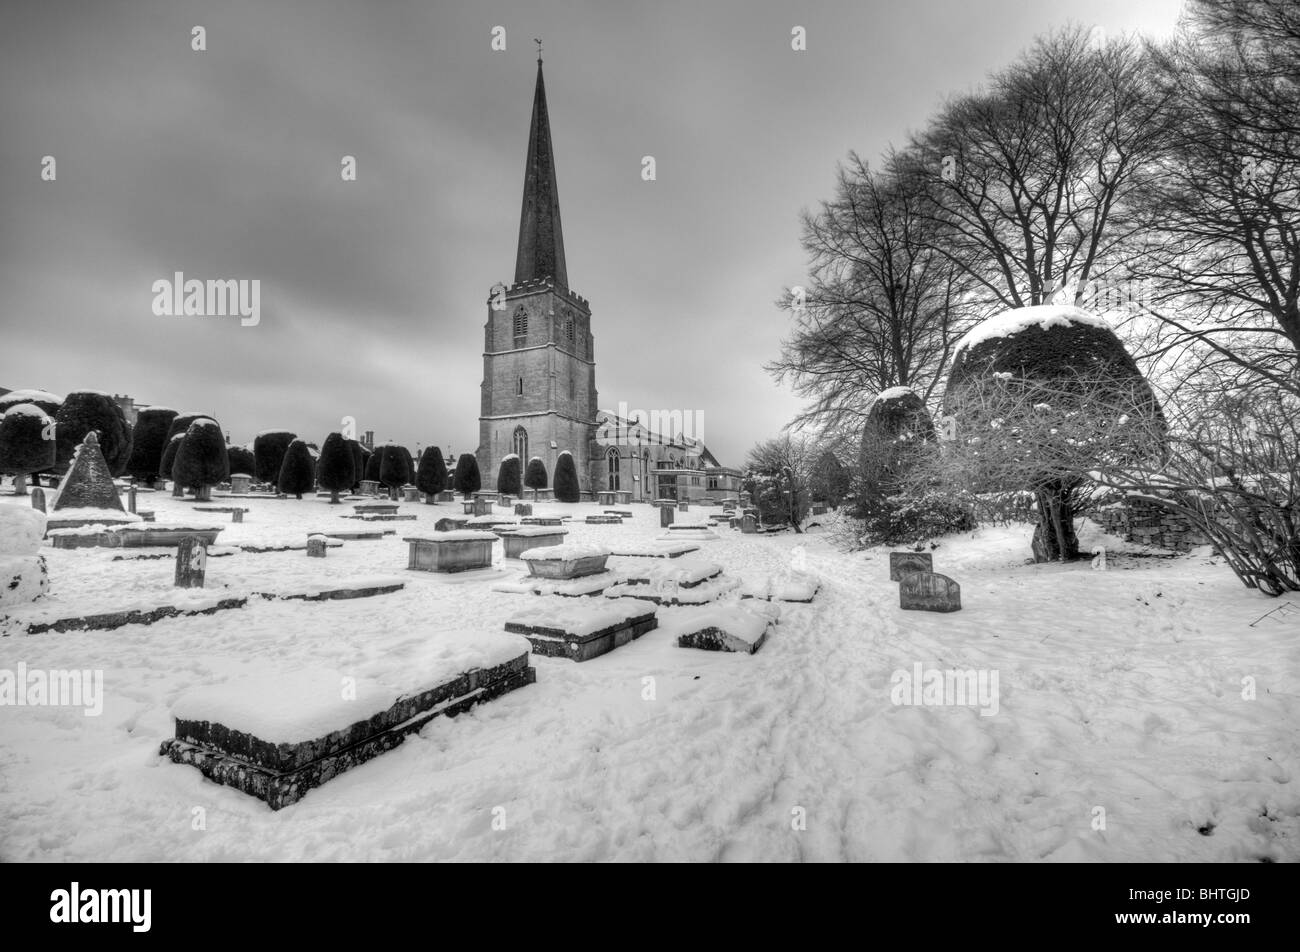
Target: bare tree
<point>1219,216</point>
<point>779,474</point>
<point>882,308</point>
<point>1021,180</point>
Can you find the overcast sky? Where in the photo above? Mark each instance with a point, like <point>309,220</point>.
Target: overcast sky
<point>226,164</point>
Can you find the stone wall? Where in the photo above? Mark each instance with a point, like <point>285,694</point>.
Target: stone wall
<point>1147,524</point>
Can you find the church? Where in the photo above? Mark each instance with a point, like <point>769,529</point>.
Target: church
<point>539,394</point>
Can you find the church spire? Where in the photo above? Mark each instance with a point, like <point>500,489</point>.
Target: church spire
<point>541,242</point>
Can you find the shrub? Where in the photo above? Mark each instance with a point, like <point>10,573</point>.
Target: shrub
<point>201,461</point>
<point>535,476</point>
<point>509,477</point>
<point>467,480</point>
<point>359,456</point>
<point>395,467</point>
<point>242,460</point>
<point>904,520</point>
<point>336,469</point>
<point>167,467</point>
<point>24,447</point>
<point>431,477</point>
<point>269,448</point>
<point>567,488</point>
<point>297,470</point>
<point>86,410</point>
<point>372,465</point>
<point>149,439</point>
<point>47,402</point>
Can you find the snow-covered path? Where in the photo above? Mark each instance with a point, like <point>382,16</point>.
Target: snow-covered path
<point>1119,690</point>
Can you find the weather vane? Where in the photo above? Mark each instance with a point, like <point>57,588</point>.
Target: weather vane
<point>539,48</point>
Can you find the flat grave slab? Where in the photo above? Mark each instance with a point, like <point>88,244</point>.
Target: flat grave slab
<point>669,592</point>
<point>604,520</point>
<point>588,586</point>
<point>621,513</point>
<point>279,737</point>
<point>375,508</point>
<point>541,521</point>
<point>791,589</point>
<point>580,632</point>
<point>699,533</point>
<point>383,517</point>
<point>355,534</point>
<point>733,628</point>
<point>565,561</point>
<point>130,536</point>
<point>221,509</point>
<point>658,550</point>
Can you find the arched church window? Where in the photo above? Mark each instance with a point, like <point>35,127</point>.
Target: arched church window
<point>568,332</point>
<point>611,464</point>
<point>521,444</point>
<point>521,324</point>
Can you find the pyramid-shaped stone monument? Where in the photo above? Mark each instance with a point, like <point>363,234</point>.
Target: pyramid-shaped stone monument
<point>88,485</point>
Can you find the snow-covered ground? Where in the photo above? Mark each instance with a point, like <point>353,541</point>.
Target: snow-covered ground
<point>1119,691</point>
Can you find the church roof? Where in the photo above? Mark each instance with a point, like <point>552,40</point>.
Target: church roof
<point>541,240</point>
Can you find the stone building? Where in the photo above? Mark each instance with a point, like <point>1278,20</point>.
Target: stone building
<point>539,393</point>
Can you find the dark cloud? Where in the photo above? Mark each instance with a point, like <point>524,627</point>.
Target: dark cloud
<point>225,164</point>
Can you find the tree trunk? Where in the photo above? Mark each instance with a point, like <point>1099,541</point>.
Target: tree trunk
<point>1054,537</point>
<point>203,494</point>
<point>334,497</point>
<point>297,496</point>
<point>178,490</point>
<point>20,485</point>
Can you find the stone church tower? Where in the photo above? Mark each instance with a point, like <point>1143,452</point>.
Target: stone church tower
<point>539,362</point>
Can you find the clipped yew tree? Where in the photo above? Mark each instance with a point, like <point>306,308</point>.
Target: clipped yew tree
<point>510,476</point>
<point>86,410</point>
<point>535,476</point>
<point>359,456</point>
<point>1038,398</point>
<point>567,488</point>
<point>336,468</point>
<point>25,444</point>
<point>431,476</point>
<point>167,467</point>
<point>149,439</point>
<point>372,465</point>
<point>201,460</point>
<point>242,461</point>
<point>467,480</point>
<point>43,400</point>
<point>269,448</point>
<point>395,468</point>
<point>297,470</point>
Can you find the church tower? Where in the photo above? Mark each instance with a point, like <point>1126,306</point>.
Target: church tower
<point>539,363</point>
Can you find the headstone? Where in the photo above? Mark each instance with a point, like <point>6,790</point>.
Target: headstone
<point>523,509</point>
<point>237,516</point>
<point>665,516</point>
<point>191,562</point>
<point>748,524</point>
<point>929,592</point>
<point>683,506</point>
<point>89,484</point>
<point>482,507</point>
<point>38,499</point>
<point>130,498</point>
<point>411,493</point>
<point>904,563</point>
<point>316,547</point>
<point>239,483</point>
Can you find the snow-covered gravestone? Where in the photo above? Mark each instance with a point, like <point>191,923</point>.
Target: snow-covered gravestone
<point>904,563</point>
<point>87,493</point>
<point>665,517</point>
<point>316,546</point>
<point>929,592</point>
<point>23,576</point>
